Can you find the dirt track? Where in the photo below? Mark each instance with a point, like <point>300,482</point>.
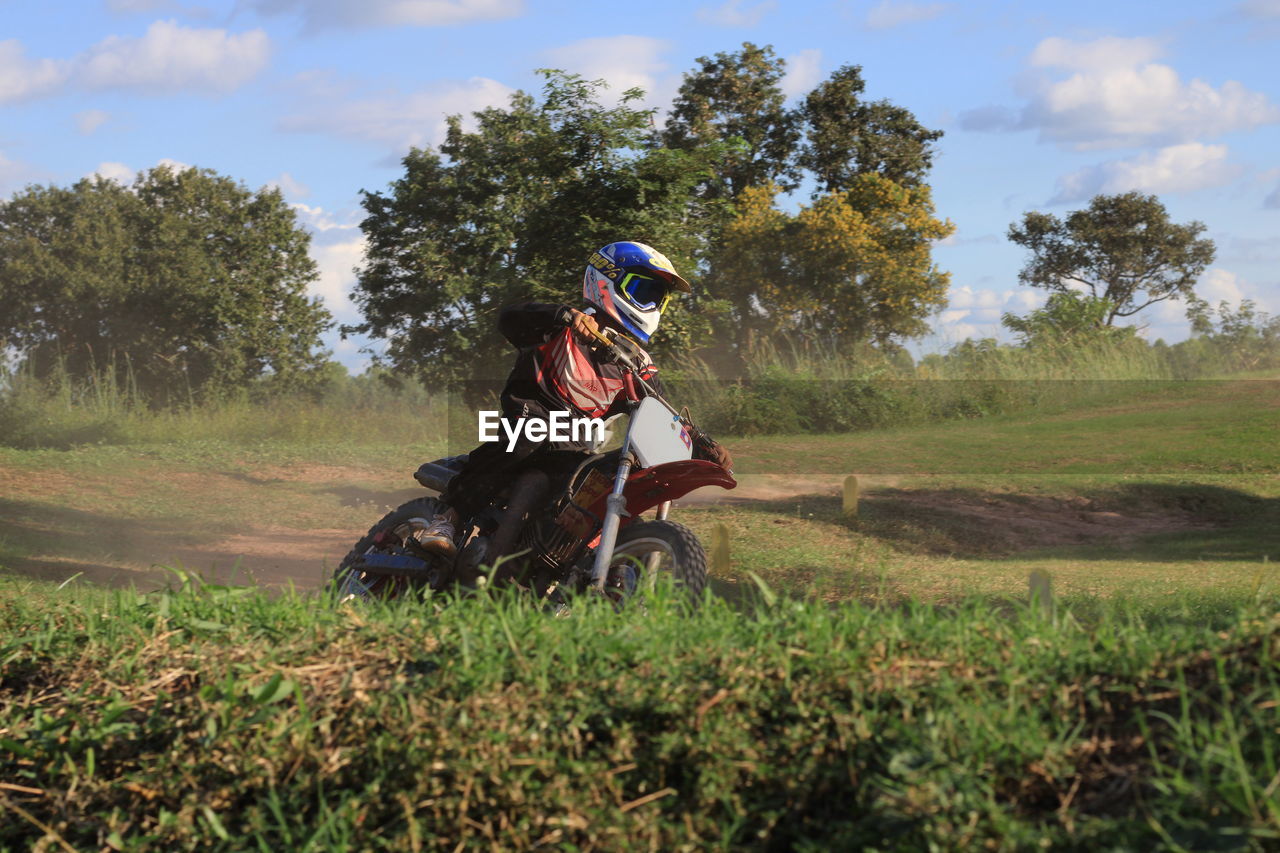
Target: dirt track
<point>280,556</point>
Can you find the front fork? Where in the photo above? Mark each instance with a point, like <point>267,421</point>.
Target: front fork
<point>615,509</point>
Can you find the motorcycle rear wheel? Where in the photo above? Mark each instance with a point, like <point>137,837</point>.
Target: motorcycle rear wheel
<point>647,550</point>
<point>388,534</point>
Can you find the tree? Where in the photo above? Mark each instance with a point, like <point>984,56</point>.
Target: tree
<point>1066,318</point>
<point>1245,338</point>
<point>852,266</point>
<point>847,137</point>
<point>735,97</point>
<point>184,283</point>
<point>1122,249</point>
<point>512,210</point>
<point>833,138</point>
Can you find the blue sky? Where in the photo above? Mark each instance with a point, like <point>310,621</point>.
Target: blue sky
<point>1043,105</point>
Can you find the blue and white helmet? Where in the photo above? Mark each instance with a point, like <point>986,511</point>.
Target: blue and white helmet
<point>632,283</point>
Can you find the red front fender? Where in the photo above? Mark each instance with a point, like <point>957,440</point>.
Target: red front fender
<point>651,486</point>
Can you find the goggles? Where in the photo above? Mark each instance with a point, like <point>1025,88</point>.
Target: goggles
<point>645,292</point>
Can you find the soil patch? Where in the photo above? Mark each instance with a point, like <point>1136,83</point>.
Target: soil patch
<point>979,522</point>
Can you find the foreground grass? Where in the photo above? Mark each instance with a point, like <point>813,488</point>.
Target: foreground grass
<point>218,718</point>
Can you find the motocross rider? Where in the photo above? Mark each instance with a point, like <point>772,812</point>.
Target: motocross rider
<point>561,366</point>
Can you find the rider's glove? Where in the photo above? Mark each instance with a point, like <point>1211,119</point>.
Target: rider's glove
<point>583,325</point>
<point>704,447</point>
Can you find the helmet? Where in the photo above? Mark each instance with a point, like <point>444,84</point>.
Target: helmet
<point>631,283</point>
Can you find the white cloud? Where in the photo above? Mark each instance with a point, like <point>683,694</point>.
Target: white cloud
<point>123,174</point>
<point>1219,285</point>
<point>27,78</point>
<point>90,120</point>
<point>171,57</point>
<point>891,13</point>
<point>736,13</point>
<point>976,311</point>
<point>1169,312</point>
<point>320,220</point>
<point>325,14</point>
<point>804,71</point>
<point>1177,168</point>
<point>395,120</point>
<point>956,332</point>
<point>960,297</point>
<point>112,171</point>
<point>1216,286</point>
<point>1115,95</point>
<point>337,262</point>
<point>167,58</point>
<point>130,7</point>
<point>624,62</point>
<point>290,186</point>
<point>1024,299</point>
<point>1104,54</point>
<point>1261,8</point>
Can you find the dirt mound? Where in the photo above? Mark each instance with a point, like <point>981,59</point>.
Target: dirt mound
<point>994,522</point>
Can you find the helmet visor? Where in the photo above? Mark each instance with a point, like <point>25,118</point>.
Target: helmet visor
<point>645,292</point>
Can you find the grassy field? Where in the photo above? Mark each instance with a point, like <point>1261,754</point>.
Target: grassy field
<point>877,681</point>
<point>1177,487</point>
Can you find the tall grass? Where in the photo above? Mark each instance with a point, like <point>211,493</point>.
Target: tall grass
<point>61,412</point>
<point>219,718</point>
<point>789,386</point>
<point>804,386</point>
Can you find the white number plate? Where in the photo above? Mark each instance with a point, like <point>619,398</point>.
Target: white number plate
<point>657,436</point>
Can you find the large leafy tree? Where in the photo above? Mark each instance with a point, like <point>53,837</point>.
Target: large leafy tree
<point>736,98</point>
<point>847,136</point>
<point>1122,249</point>
<point>511,210</point>
<point>831,140</point>
<point>184,283</point>
<point>853,266</point>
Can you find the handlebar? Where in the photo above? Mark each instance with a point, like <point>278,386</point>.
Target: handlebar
<point>617,345</point>
<point>607,340</point>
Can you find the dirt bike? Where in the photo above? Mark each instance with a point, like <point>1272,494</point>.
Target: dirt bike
<point>587,536</point>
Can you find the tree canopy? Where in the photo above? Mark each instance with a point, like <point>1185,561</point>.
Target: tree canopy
<point>185,282</point>
<point>848,136</point>
<point>512,203</point>
<point>736,98</point>
<point>511,210</point>
<point>1122,249</point>
<point>854,265</point>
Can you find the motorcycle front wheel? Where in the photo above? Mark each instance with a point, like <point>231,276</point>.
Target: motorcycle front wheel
<point>649,550</point>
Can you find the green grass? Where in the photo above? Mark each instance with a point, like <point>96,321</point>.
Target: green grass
<point>871,682</point>
<point>1214,428</point>
<point>218,718</point>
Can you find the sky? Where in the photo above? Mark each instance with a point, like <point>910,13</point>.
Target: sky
<point>1043,106</point>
